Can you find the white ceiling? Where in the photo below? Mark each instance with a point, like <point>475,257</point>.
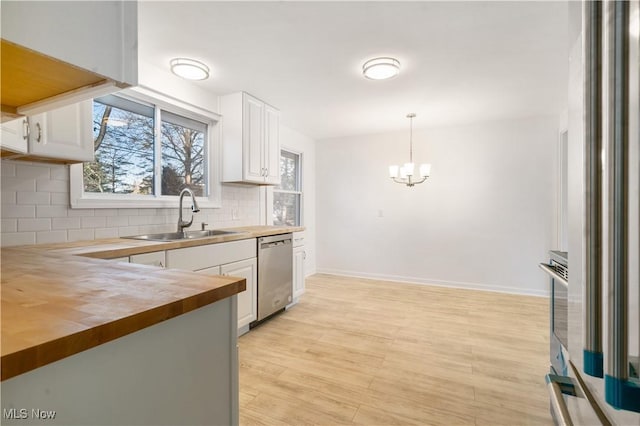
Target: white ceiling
<point>461,61</point>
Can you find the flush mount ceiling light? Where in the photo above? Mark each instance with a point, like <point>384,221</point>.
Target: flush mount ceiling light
<point>189,69</point>
<point>405,174</point>
<point>381,68</point>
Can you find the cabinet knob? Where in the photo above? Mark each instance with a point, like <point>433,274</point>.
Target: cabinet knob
<point>26,130</point>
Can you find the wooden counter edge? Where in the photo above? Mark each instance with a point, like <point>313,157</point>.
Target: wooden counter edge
<point>23,361</point>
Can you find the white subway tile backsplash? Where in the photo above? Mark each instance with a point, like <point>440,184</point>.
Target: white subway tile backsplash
<point>141,220</point>
<point>34,197</point>
<point>18,238</point>
<point>49,185</point>
<point>35,208</point>
<point>60,172</point>
<point>106,233</point>
<point>7,169</point>
<point>93,222</point>
<point>29,171</point>
<point>25,225</point>
<point>80,212</point>
<point>18,184</point>
<point>9,225</point>
<point>117,221</point>
<point>8,197</point>
<point>59,198</point>
<point>52,211</point>
<point>65,223</point>
<point>49,237</point>
<point>127,231</point>
<point>9,210</point>
<point>80,234</point>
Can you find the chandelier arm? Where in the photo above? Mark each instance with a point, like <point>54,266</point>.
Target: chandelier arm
<point>411,139</point>
<point>421,180</point>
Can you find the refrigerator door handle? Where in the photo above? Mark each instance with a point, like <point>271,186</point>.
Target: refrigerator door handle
<point>559,408</point>
<point>592,349</point>
<point>620,391</point>
<point>552,272</point>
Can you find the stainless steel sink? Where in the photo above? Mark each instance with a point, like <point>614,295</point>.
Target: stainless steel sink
<point>189,235</point>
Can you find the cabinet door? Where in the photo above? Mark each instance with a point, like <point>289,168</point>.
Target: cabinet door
<point>100,36</point>
<point>13,136</point>
<point>298,271</point>
<point>157,258</point>
<point>214,270</point>
<point>248,299</point>
<point>272,145</point>
<point>63,133</point>
<point>253,139</point>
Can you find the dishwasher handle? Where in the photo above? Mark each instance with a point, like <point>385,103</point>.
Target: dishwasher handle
<point>275,244</point>
<point>271,244</point>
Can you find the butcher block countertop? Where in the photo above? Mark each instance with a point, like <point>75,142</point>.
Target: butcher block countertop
<point>61,299</point>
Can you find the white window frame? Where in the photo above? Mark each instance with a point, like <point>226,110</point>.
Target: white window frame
<point>89,200</point>
<point>271,189</point>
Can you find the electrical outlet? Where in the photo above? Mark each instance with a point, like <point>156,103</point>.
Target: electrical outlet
<point>235,214</point>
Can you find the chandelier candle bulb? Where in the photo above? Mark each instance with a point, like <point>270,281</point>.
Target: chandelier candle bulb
<point>409,168</point>
<point>425,170</point>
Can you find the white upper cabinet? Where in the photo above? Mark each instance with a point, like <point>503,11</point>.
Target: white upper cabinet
<point>14,137</point>
<point>272,145</point>
<point>58,53</point>
<point>63,134</point>
<point>250,140</point>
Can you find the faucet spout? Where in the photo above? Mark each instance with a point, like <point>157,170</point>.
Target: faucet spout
<point>194,208</point>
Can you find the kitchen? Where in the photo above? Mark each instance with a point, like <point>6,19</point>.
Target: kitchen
<point>490,98</point>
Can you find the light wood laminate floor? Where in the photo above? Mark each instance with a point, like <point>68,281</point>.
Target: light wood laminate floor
<point>368,352</point>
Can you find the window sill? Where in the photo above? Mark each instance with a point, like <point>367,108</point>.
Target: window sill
<point>132,202</point>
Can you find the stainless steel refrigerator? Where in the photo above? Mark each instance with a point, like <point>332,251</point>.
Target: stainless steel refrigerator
<point>601,384</point>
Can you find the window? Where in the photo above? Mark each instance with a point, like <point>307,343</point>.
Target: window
<point>287,197</point>
<point>146,151</point>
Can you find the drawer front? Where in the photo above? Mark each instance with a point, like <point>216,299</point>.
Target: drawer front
<point>156,258</point>
<point>201,257</point>
<point>298,239</point>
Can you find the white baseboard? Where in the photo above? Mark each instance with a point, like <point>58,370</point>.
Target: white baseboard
<point>438,283</point>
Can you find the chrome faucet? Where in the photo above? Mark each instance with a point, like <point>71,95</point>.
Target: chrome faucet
<point>194,208</point>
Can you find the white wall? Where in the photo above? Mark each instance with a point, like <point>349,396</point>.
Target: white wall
<point>484,219</point>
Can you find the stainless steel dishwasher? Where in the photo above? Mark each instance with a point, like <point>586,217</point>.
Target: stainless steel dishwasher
<point>275,274</point>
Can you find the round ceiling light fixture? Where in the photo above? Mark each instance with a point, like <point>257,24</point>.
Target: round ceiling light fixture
<point>189,69</point>
<point>381,68</point>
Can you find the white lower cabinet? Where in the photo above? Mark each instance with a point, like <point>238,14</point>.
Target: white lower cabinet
<point>298,271</point>
<point>299,256</point>
<point>236,259</point>
<point>248,299</point>
<point>156,258</point>
<point>214,270</point>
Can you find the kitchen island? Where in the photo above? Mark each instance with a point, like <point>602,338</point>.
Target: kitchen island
<point>101,342</point>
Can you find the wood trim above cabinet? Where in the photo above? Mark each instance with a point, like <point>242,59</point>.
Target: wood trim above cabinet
<point>29,77</point>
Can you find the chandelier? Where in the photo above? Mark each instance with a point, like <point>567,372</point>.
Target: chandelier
<point>405,174</point>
